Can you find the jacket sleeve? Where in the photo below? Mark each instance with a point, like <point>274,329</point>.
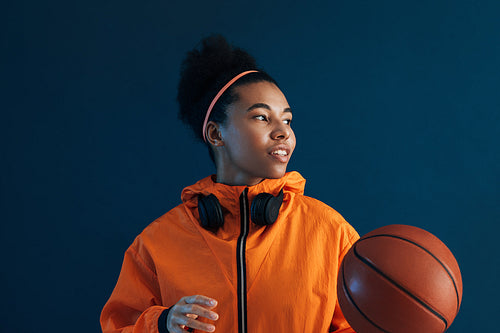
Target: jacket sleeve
<point>339,323</point>
<point>135,304</point>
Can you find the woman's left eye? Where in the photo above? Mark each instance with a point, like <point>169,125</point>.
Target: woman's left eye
<point>287,121</point>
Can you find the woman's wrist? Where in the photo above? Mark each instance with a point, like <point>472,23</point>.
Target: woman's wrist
<point>162,321</point>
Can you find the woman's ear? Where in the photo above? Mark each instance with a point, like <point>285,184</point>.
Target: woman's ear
<point>214,135</point>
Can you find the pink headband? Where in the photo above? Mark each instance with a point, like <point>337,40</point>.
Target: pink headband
<point>216,98</point>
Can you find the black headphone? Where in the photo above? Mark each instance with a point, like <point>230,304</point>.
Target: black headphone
<point>264,210</point>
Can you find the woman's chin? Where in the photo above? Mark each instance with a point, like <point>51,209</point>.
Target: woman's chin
<point>276,174</point>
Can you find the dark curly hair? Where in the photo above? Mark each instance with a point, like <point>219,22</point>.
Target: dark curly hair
<point>204,71</point>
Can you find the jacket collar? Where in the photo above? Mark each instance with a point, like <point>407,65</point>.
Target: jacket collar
<point>290,182</point>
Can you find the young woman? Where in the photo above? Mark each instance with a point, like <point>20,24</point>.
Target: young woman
<point>246,251</point>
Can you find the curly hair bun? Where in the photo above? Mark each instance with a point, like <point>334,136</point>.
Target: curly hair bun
<point>204,71</point>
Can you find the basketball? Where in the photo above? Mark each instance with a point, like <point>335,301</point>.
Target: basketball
<point>399,278</point>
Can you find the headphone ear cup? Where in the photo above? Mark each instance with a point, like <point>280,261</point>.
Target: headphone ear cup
<point>265,208</point>
<point>210,212</point>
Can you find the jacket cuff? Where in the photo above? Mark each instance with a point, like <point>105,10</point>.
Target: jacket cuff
<point>162,322</point>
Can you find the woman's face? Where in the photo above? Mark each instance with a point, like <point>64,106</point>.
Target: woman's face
<point>257,138</point>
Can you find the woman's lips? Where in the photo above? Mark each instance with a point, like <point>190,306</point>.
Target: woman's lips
<point>282,159</point>
<point>281,153</point>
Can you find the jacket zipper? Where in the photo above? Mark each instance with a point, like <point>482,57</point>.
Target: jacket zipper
<point>241,263</point>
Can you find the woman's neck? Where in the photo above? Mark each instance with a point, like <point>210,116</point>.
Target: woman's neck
<point>237,180</point>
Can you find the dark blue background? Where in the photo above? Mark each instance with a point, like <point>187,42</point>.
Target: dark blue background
<point>396,110</point>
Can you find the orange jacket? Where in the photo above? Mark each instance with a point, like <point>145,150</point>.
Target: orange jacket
<point>291,266</point>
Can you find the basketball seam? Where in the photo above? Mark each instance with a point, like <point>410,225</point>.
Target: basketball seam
<point>436,258</point>
<point>406,291</point>
<point>348,294</point>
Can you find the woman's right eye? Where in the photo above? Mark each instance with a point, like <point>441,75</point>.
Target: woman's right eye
<point>261,117</point>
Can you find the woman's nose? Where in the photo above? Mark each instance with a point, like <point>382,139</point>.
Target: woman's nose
<point>281,131</point>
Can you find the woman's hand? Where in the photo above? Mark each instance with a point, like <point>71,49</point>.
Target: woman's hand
<point>185,312</point>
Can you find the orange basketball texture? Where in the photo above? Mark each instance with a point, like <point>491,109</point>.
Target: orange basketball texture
<point>399,278</point>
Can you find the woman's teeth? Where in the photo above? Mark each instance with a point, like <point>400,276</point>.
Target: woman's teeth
<point>280,152</point>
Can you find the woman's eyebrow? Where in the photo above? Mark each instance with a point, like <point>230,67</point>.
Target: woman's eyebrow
<point>265,106</point>
<point>259,106</point>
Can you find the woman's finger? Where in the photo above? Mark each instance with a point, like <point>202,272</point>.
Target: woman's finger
<point>179,322</point>
<point>198,311</point>
<point>197,325</point>
<point>201,300</point>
